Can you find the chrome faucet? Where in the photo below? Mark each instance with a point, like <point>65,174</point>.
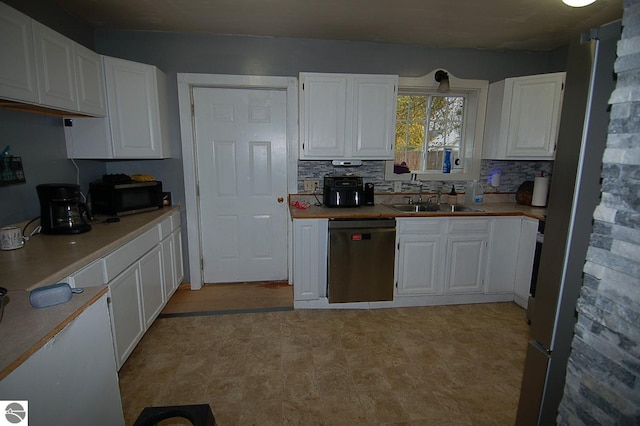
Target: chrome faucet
<point>416,181</point>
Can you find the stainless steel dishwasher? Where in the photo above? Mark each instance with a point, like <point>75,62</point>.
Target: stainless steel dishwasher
<point>361,260</point>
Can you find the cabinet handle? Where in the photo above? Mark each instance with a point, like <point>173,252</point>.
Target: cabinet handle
<point>280,200</point>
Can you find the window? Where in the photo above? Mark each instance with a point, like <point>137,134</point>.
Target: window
<point>426,125</point>
<point>429,122</point>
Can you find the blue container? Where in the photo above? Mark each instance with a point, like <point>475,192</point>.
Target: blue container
<point>446,165</point>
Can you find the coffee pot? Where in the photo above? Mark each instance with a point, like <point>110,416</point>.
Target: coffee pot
<point>62,209</point>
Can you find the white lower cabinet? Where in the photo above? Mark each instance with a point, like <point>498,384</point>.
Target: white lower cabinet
<point>439,260</point>
<point>152,284</point>
<point>420,256</point>
<point>503,255</point>
<point>177,258</point>
<point>524,264</point>
<point>72,378</point>
<point>467,244</point>
<point>142,275</point>
<point>125,308</point>
<point>173,270</point>
<point>310,258</point>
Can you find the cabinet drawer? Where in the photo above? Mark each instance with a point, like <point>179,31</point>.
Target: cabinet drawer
<point>120,259</point>
<point>90,276</point>
<point>476,226</point>
<point>165,228</point>
<point>419,226</point>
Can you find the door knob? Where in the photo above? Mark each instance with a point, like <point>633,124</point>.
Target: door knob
<point>280,200</point>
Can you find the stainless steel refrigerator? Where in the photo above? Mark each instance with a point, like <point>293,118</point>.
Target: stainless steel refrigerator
<point>573,196</point>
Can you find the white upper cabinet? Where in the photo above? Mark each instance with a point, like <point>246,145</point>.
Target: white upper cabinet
<point>42,67</point>
<point>347,116</point>
<point>523,117</point>
<point>137,104</point>
<point>137,122</point>
<point>89,81</point>
<point>55,68</point>
<point>17,61</point>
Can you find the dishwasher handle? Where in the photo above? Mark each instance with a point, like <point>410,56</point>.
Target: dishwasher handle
<point>361,223</point>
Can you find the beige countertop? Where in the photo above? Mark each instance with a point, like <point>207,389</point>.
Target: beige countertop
<point>381,211</point>
<point>25,329</point>
<point>48,259</point>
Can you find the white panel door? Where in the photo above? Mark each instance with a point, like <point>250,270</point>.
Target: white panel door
<point>241,161</point>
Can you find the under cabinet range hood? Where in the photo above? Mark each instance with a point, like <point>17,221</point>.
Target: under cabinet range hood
<point>346,163</point>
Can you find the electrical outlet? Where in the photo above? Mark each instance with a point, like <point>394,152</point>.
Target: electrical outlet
<point>397,186</point>
<point>311,185</point>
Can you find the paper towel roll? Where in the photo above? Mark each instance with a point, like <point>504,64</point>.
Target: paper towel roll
<point>540,191</point>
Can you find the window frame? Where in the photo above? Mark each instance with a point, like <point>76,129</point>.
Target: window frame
<point>475,92</point>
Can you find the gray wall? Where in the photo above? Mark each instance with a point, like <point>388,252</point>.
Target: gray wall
<point>39,140</point>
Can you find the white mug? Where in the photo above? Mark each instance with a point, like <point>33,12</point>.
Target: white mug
<point>11,238</point>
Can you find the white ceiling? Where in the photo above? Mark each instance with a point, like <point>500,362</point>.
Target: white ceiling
<point>486,24</point>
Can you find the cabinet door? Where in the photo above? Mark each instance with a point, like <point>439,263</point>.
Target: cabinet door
<point>168,267</point>
<point>72,378</point>
<point>55,68</point>
<point>524,265</point>
<point>310,258</point>
<point>467,243</point>
<point>534,115</point>
<point>152,284</point>
<point>177,257</point>
<point>373,117</point>
<point>132,90</point>
<point>127,323</point>
<point>89,81</point>
<point>503,255</point>
<point>466,263</point>
<point>323,106</point>
<point>17,68</point>
<point>419,265</point>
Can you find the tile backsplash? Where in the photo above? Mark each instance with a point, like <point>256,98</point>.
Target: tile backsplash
<point>513,173</point>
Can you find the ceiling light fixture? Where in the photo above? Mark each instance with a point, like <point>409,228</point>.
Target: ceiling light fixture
<point>442,77</point>
<point>578,3</point>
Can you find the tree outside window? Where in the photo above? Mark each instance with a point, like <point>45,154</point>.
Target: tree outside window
<point>426,125</point>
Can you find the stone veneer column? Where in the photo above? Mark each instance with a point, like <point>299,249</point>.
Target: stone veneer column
<point>603,374</point>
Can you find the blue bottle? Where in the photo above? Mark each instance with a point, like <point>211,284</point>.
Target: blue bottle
<point>446,165</point>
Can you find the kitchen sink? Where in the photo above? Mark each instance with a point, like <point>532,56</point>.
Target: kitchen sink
<point>414,208</point>
<point>418,208</point>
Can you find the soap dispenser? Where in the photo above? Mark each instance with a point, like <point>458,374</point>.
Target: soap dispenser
<point>453,195</point>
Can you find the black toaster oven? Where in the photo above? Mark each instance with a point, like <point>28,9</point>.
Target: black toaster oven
<point>343,191</point>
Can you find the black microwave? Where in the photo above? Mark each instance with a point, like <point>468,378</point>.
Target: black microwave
<point>125,198</point>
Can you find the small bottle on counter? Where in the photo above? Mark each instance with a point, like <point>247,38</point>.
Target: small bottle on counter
<point>453,195</point>
<point>474,193</point>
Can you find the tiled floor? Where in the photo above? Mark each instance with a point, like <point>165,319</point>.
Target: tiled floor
<point>446,365</point>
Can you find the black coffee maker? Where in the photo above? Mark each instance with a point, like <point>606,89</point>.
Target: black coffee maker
<point>62,209</point>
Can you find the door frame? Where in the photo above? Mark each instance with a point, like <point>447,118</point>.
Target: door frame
<point>186,83</point>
